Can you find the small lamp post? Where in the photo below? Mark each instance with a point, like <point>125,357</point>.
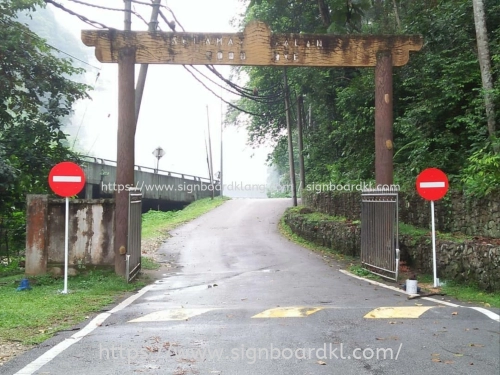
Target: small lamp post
<point>158,153</point>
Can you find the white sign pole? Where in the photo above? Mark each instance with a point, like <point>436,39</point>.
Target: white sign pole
<point>434,246</point>
<point>66,231</point>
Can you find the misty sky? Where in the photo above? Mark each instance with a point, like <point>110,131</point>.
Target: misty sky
<point>174,108</point>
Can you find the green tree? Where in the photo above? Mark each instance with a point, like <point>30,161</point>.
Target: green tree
<point>36,95</point>
<point>439,116</point>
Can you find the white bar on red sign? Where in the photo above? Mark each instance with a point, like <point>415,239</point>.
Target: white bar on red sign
<point>439,184</point>
<point>67,178</point>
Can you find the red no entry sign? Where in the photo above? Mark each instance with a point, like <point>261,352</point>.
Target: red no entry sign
<point>432,184</point>
<point>66,179</point>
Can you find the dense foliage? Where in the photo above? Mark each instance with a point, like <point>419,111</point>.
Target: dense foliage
<point>36,95</point>
<point>439,111</point>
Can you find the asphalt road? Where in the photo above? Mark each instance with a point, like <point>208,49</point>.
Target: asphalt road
<point>244,300</point>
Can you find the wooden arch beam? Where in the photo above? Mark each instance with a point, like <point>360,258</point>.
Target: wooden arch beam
<point>255,46</point>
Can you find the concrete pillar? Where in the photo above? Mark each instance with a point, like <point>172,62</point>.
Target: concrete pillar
<point>36,235</point>
<point>88,191</point>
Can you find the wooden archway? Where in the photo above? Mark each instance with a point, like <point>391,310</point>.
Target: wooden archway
<point>255,46</point>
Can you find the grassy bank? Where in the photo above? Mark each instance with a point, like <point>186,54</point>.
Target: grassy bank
<point>156,223</point>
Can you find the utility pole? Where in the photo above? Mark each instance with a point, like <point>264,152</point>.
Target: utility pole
<point>290,141</point>
<point>125,145</point>
<point>128,15</point>
<point>310,117</point>
<point>141,79</point>
<point>208,161</point>
<point>300,103</point>
<point>158,153</point>
<point>211,160</point>
<point>221,150</point>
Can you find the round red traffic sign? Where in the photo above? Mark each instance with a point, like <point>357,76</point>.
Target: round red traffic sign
<point>66,179</point>
<point>432,184</point>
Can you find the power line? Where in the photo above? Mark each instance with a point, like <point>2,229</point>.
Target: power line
<point>79,16</point>
<point>238,90</point>
<point>30,33</point>
<point>229,103</point>
<point>97,6</point>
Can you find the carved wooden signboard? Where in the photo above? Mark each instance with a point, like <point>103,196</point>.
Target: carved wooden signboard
<point>255,46</point>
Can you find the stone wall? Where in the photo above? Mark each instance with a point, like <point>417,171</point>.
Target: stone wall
<point>91,234</point>
<point>343,236</point>
<point>465,261</point>
<point>455,213</point>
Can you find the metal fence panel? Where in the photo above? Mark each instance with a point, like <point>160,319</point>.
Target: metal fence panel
<point>379,233</point>
<point>134,234</point>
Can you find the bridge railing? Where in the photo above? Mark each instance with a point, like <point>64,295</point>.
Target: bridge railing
<point>148,169</point>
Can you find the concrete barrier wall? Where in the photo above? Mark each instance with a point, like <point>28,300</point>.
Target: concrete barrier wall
<point>91,234</point>
<point>162,186</point>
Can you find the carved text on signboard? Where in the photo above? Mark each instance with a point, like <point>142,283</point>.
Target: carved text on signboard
<point>256,46</point>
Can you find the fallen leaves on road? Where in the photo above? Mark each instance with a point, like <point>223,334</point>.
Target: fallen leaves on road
<point>435,357</point>
<point>321,363</point>
<point>454,313</point>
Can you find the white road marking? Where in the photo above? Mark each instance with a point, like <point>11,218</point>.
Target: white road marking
<point>172,314</point>
<point>488,313</point>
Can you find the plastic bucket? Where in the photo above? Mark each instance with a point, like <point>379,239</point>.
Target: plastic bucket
<point>411,286</point>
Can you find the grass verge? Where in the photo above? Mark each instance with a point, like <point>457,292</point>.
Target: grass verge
<point>150,264</point>
<point>461,292</point>
<point>472,294</point>
<point>287,232</point>
<point>33,316</point>
<point>156,223</point>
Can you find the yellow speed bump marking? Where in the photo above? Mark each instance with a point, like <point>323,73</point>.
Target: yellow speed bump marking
<point>410,312</point>
<point>288,312</point>
<point>172,314</point>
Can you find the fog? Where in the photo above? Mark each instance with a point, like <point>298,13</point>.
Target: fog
<point>174,108</point>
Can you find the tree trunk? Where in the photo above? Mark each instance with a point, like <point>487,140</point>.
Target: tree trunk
<point>483,54</point>
<point>324,11</point>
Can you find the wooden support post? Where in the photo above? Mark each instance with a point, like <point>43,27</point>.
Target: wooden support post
<point>290,140</point>
<point>125,152</point>
<point>383,119</point>
<point>300,104</point>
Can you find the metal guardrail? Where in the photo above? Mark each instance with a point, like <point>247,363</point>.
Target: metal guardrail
<point>148,169</point>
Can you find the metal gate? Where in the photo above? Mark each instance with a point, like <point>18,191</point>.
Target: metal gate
<point>133,258</point>
<point>379,233</point>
